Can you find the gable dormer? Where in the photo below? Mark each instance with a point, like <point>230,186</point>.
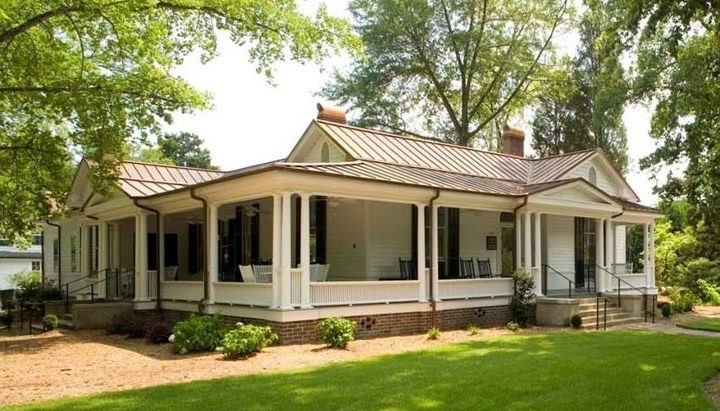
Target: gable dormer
<point>599,171</point>
<point>316,146</point>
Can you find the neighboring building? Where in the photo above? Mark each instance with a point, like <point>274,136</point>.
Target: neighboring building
<point>343,226</point>
<point>14,260</point>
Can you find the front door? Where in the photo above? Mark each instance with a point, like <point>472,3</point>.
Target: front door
<point>585,240</point>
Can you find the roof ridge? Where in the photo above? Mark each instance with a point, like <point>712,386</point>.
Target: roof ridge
<point>587,150</point>
<point>147,163</point>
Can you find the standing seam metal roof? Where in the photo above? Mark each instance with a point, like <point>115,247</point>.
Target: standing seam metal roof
<point>143,179</point>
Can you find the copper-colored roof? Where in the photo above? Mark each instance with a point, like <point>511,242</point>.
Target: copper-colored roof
<point>138,179</point>
<point>630,206</point>
<point>365,144</point>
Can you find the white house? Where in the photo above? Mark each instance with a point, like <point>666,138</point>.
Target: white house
<point>343,226</point>
<point>14,260</point>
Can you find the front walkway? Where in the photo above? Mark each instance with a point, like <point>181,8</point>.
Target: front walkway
<point>669,325</point>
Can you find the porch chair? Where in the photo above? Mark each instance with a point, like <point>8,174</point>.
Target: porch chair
<point>484,268</point>
<point>467,268</point>
<point>263,273</point>
<point>408,269</point>
<point>170,273</point>
<point>319,272</point>
<point>246,272</point>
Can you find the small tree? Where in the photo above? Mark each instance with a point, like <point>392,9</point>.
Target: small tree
<point>522,302</point>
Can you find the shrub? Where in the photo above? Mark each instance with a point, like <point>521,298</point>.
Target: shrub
<point>576,321</point>
<point>198,333</point>
<point>666,310</point>
<point>700,268</point>
<point>521,304</point>
<point>30,287</point>
<point>123,324</point>
<point>474,329</point>
<point>157,332</point>
<point>6,318</point>
<point>709,293</point>
<point>337,332</point>
<point>512,326</point>
<point>246,340</point>
<point>433,333</point>
<point>50,322</point>
<point>683,300</point>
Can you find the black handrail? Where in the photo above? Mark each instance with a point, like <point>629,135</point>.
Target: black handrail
<point>571,283</point>
<point>644,293</point>
<point>112,273</point>
<point>67,286</point>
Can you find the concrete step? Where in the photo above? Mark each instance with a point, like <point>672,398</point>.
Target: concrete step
<point>610,310</point>
<point>65,324</point>
<point>67,317</point>
<point>610,317</point>
<point>613,323</point>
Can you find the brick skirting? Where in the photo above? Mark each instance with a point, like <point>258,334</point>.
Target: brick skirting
<point>297,332</point>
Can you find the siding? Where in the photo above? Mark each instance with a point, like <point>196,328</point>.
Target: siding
<point>560,243</point>
<point>604,180</point>
<point>389,233</point>
<point>346,240</point>
<point>337,155</point>
<point>620,241</point>
<point>9,266</point>
<point>475,226</point>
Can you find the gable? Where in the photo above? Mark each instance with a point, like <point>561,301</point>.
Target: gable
<point>608,179</point>
<point>576,193</point>
<point>310,147</point>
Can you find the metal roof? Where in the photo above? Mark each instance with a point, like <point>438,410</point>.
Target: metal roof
<point>138,179</point>
<point>20,254</point>
<point>365,144</point>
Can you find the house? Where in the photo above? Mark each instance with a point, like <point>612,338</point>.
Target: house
<point>393,231</point>
<point>15,260</point>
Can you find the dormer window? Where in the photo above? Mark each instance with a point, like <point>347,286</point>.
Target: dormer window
<point>325,153</point>
<point>592,175</point>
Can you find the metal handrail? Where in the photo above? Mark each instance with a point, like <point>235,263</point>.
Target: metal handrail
<point>67,286</point>
<point>570,282</point>
<point>111,273</point>
<point>597,312</point>
<point>644,293</point>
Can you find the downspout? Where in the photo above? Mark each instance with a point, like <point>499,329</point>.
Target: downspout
<point>433,238</point>
<point>158,302</point>
<point>206,282</point>
<point>59,229</point>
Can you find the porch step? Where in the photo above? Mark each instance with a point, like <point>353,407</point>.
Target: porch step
<point>593,311</point>
<point>612,323</point>
<point>66,322</point>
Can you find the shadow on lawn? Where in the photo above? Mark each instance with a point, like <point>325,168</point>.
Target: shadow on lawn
<point>561,371</point>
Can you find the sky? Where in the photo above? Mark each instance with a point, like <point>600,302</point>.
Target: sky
<point>252,121</point>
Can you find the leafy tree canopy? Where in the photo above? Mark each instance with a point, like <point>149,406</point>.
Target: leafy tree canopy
<point>585,111</point>
<point>82,77</point>
<point>185,149</point>
<point>446,68</point>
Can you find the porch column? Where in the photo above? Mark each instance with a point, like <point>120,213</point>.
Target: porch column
<point>600,254</point>
<point>211,227</point>
<point>102,255</point>
<point>422,279</point>
<point>646,252</point>
<point>286,251</point>
<point>434,245</point>
<point>518,240</point>
<point>651,256</point>
<point>276,247</point>
<point>528,250</point>
<point>610,252</point>
<point>305,250</point>
<point>140,256</point>
<point>85,250</point>
<point>538,254</point>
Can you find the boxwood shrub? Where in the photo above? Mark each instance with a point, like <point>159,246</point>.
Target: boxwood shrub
<point>246,340</point>
<point>337,332</point>
<point>198,333</point>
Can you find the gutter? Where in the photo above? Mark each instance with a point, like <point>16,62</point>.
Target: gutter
<point>206,283</point>
<point>433,229</point>
<point>136,202</point>
<point>59,228</point>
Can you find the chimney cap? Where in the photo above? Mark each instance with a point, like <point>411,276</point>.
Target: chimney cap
<point>513,132</point>
<point>331,113</point>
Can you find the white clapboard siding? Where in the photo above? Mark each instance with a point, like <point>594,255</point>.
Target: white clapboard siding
<point>362,292</point>
<point>346,240</point>
<point>389,235</point>
<point>620,242</point>
<point>560,249</point>
<point>604,180</point>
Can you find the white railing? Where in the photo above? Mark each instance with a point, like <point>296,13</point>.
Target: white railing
<point>475,288</point>
<point>622,268</point>
<point>363,292</point>
<point>182,290</point>
<point>152,283</point>
<point>295,286</point>
<point>259,294</point>
<point>636,280</point>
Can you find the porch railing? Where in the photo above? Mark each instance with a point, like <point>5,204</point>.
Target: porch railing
<point>118,283</point>
<point>363,292</point>
<point>547,269</point>
<point>642,291</point>
<point>182,290</point>
<point>466,288</point>
<point>295,286</point>
<point>252,294</point>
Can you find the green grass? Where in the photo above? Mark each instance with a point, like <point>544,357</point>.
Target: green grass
<point>611,370</point>
<point>706,324</point>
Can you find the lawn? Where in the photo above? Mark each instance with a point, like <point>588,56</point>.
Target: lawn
<point>705,324</point>
<point>610,370</point>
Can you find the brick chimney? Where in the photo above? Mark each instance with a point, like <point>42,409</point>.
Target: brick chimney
<point>331,113</point>
<point>513,140</point>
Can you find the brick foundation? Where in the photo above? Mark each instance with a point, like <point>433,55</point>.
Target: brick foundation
<point>297,332</point>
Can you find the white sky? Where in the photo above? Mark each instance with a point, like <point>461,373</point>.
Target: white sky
<point>252,121</point>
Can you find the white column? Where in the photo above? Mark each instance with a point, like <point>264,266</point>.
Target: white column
<point>527,264</point>
<point>599,254</point>
<point>434,245</point>
<point>305,250</point>
<point>211,228</point>
<point>422,279</point>
<point>651,256</point>
<point>518,240</point>
<point>276,249</point>
<point>140,257</point>
<point>538,254</point>
<point>286,251</point>
<point>646,252</point>
<point>610,251</point>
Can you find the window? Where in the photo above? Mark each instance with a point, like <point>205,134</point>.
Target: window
<point>36,265</point>
<point>37,239</point>
<point>325,153</point>
<point>592,175</point>
<point>73,253</point>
